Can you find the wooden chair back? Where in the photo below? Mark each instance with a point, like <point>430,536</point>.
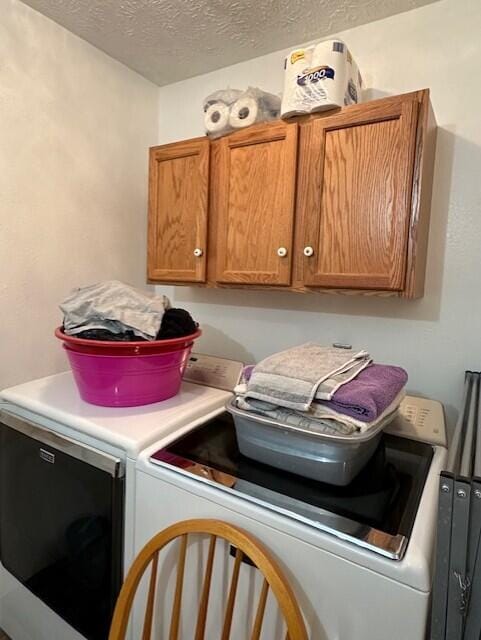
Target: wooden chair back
<point>246,545</point>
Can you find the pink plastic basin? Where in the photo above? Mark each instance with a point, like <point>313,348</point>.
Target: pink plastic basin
<point>128,380</point>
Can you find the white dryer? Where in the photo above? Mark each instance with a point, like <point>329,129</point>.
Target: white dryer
<point>67,491</point>
<point>359,558</point>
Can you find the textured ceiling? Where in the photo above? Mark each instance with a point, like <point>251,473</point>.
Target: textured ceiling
<point>170,40</point>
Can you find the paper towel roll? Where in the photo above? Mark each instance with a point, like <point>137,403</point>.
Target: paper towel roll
<point>330,63</point>
<point>320,77</point>
<point>325,54</point>
<point>209,103</point>
<point>216,118</point>
<point>244,112</point>
<point>296,63</point>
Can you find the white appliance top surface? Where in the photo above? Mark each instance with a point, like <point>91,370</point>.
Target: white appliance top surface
<point>414,570</point>
<point>131,429</point>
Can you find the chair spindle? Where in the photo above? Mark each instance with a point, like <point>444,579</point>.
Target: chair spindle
<point>232,594</point>
<point>175,621</point>
<point>149,608</point>
<point>204,600</point>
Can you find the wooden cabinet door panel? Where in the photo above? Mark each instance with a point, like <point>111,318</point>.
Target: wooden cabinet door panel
<point>178,202</point>
<point>256,187</point>
<point>354,200</point>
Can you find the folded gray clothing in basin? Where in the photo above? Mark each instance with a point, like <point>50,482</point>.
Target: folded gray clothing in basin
<point>114,306</point>
<point>307,420</point>
<point>293,378</point>
<point>292,418</point>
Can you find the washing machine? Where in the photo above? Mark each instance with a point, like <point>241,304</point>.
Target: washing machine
<point>359,558</point>
<point>67,496</point>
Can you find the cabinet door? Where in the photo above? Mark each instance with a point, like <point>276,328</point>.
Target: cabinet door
<point>256,178</point>
<point>178,201</point>
<point>354,196</point>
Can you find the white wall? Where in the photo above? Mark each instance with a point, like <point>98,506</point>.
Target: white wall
<point>75,126</point>
<point>438,337</point>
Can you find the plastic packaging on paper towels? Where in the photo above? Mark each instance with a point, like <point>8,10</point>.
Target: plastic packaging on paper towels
<point>320,77</point>
<point>217,110</point>
<point>228,110</point>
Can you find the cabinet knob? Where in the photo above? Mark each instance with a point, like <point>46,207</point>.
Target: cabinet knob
<point>198,252</point>
<point>308,251</point>
<point>282,252</point>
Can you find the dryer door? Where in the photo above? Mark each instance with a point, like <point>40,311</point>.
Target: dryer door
<point>61,514</point>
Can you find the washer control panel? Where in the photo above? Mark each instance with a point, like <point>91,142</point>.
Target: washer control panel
<point>212,371</point>
<point>420,419</point>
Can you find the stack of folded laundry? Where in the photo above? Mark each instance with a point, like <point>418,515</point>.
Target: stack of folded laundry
<point>328,390</point>
<point>115,311</point>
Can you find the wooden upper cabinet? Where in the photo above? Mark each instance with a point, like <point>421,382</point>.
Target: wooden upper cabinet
<point>334,201</point>
<point>354,195</point>
<point>178,206</point>
<point>254,185</point>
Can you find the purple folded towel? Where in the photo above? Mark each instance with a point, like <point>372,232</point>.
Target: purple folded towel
<point>370,393</point>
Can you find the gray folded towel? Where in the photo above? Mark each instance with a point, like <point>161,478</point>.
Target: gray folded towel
<point>292,378</point>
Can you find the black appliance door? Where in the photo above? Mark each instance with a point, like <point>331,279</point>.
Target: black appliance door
<point>61,522</point>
